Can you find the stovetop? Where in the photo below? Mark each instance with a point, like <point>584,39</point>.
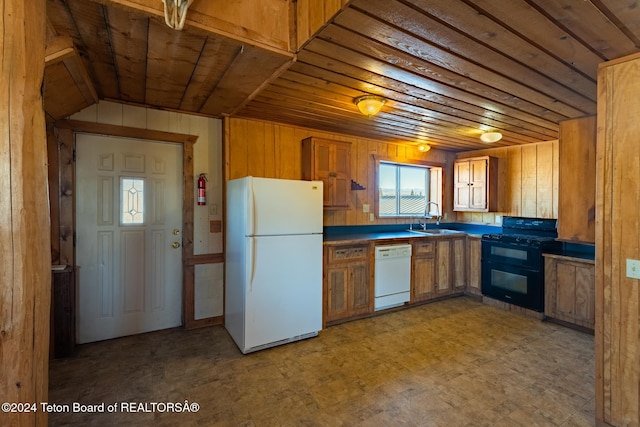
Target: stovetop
<point>536,232</point>
<point>519,239</point>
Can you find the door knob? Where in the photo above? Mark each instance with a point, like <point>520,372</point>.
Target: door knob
<point>176,232</point>
<point>175,245</point>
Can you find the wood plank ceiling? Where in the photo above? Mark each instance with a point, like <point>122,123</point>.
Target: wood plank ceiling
<point>449,70</point>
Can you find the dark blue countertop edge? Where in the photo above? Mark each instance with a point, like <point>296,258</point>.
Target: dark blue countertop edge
<point>338,232</point>
<point>575,250</point>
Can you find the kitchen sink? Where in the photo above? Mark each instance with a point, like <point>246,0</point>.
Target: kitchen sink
<point>436,231</point>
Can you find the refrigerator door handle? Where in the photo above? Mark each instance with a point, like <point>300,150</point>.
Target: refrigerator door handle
<point>251,215</point>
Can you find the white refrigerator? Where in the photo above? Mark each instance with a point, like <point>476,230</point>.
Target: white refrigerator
<point>273,282</point>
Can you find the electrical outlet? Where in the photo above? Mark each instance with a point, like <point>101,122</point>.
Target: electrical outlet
<point>372,217</point>
<point>498,219</point>
<point>365,208</point>
<point>633,269</point>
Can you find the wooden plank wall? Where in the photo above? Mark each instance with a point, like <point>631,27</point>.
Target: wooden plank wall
<point>25,277</point>
<point>311,15</point>
<point>272,150</point>
<point>527,182</point>
<point>617,241</point>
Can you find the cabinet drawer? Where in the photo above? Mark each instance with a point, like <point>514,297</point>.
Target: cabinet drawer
<point>348,253</point>
<point>424,249</point>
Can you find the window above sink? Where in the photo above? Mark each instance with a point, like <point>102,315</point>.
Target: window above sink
<point>406,189</point>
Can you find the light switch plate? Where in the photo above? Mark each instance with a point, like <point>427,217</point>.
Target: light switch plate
<point>372,217</point>
<point>633,269</point>
<point>365,208</point>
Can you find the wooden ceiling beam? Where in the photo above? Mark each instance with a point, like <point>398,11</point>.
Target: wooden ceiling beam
<point>201,16</point>
<point>67,84</point>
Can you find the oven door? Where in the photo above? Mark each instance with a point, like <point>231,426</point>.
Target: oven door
<point>516,285</point>
<point>525,256</point>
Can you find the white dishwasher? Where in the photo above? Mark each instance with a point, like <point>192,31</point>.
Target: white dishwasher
<point>392,275</point>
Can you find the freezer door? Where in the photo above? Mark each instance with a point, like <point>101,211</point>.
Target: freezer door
<point>284,294</point>
<point>283,206</point>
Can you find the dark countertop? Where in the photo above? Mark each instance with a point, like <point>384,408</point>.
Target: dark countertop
<point>572,250</point>
<point>361,233</point>
<point>340,235</point>
<point>383,235</point>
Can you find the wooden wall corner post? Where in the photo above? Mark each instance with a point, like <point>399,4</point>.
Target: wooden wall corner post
<point>25,252</point>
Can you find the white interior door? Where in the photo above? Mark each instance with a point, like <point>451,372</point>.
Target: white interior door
<point>129,236</point>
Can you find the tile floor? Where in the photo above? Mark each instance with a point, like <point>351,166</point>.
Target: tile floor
<point>452,363</point>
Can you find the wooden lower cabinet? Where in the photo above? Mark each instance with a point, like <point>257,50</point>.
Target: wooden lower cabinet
<point>438,267</point>
<point>459,263</point>
<point>570,290</point>
<point>423,270</point>
<point>348,283</point>
<point>474,265</point>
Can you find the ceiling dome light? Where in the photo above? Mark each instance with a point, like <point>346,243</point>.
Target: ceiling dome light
<point>369,105</point>
<point>424,147</point>
<point>490,137</point>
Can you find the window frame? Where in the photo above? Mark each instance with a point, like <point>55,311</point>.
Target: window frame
<point>377,159</point>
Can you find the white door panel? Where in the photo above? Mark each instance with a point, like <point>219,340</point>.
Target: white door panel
<point>128,204</point>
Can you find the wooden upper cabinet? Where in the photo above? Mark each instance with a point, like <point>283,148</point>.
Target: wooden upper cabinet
<point>475,182</point>
<point>577,180</point>
<point>330,162</point>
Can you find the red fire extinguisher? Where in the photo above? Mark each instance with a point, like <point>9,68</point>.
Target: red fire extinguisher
<point>202,189</point>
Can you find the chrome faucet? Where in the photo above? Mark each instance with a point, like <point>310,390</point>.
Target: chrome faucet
<point>427,215</point>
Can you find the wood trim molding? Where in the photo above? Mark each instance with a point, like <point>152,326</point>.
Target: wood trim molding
<point>206,259</point>
<point>209,321</point>
<point>125,132</point>
<point>71,127</point>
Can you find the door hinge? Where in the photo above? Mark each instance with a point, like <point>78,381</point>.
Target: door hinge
<point>74,239</point>
<point>74,155</point>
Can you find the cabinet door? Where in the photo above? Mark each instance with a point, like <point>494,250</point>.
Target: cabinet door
<point>337,300</point>
<point>341,185</point>
<point>443,266</point>
<point>462,190</point>
<point>478,184</point>
<point>474,272</point>
<point>360,297</point>
<point>423,279</point>
<point>458,263</point>
<point>570,291</point>
<point>329,162</point>
<point>575,293</point>
<point>475,184</point>
<point>322,169</point>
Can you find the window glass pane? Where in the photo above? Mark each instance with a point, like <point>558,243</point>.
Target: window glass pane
<point>404,189</point>
<point>132,200</point>
<point>388,189</point>
<point>413,190</point>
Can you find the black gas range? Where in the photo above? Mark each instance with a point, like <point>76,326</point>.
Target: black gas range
<point>512,262</point>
